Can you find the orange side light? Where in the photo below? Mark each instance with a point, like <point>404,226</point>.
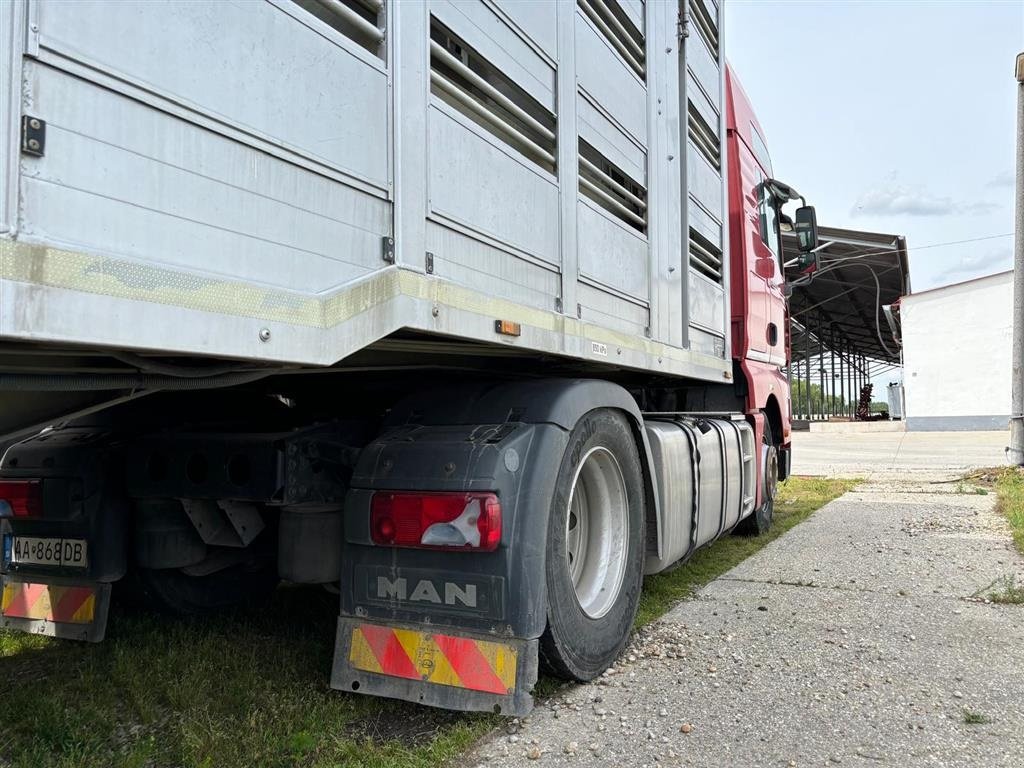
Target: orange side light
<point>507,328</point>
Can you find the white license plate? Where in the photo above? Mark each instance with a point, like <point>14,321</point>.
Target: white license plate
<point>64,553</point>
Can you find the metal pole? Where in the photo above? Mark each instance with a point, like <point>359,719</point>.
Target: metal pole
<point>1015,453</point>
<point>844,369</point>
<point>856,379</point>
<point>821,371</point>
<point>854,391</point>
<point>832,371</point>
<point>860,377</point>
<point>842,380</point>
<point>847,386</point>
<point>856,385</point>
<point>807,353</point>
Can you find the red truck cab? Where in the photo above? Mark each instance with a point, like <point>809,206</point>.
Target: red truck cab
<point>759,311</point>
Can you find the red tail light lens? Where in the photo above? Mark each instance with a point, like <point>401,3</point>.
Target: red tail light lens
<point>453,521</point>
<point>21,498</point>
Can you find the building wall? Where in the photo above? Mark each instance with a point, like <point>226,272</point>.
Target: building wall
<point>956,355</point>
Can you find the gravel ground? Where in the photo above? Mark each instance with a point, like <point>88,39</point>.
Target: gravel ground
<point>856,639</point>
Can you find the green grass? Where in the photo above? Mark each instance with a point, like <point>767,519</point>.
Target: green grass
<point>976,718</point>
<point>231,691</point>
<point>1009,485</point>
<point>1004,590</point>
<point>242,690</point>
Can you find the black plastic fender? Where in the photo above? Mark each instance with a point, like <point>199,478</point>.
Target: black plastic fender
<point>507,438</point>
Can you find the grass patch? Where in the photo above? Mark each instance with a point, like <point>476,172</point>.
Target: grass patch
<point>241,690</point>
<point>976,718</point>
<point>1003,590</point>
<point>1008,484</point>
<point>1010,494</point>
<point>232,691</point>
<point>798,497</point>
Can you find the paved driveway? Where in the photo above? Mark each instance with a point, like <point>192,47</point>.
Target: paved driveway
<point>853,640</point>
<point>846,455</point>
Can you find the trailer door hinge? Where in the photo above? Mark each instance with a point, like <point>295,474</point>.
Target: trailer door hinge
<point>33,135</point>
<point>388,252</point>
<point>430,263</point>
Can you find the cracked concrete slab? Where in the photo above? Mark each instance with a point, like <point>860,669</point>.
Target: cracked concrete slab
<point>854,639</point>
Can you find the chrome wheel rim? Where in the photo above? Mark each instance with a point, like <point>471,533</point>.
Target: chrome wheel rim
<point>771,472</point>
<point>597,532</point>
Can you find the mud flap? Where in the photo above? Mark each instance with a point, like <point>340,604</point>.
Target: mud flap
<point>461,672</point>
<point>64,608</point>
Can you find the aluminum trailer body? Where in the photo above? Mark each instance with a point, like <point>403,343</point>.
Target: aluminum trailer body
<point>282,193</point>
<point>434,301</point>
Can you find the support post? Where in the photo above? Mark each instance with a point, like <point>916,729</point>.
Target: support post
<point>832,371</point>
<point>807,355</point>
<point>842,379</point>
<point>821,370</point>
<point>1015,453</point>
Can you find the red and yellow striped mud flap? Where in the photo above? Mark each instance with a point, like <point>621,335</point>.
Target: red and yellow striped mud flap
<point>57,608</point>
<point>463,671</point>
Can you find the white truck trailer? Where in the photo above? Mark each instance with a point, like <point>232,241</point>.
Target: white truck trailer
<point>430,301</point>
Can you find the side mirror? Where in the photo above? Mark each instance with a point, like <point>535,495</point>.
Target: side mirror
<point>806,227</point>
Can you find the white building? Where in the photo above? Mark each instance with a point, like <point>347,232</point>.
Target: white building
<point>956,354</point>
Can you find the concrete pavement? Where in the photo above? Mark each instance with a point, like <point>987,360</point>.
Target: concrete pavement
<point>862,454</point>
<point>856,639</point>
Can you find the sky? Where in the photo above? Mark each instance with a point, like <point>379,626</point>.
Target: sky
<point>894,117</point>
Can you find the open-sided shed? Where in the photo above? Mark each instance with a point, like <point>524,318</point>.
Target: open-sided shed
<point>843,330</point>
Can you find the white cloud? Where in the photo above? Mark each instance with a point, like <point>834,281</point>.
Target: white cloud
<point>977,264</point>
<point>896,200</point>
<point>1005,179</point>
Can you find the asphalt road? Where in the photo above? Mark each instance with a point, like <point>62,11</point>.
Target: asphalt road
<point>855,639</point>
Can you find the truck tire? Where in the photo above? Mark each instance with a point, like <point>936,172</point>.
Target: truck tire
<point>246,586</point>
<point>759,521</point>
<point>595,548</point>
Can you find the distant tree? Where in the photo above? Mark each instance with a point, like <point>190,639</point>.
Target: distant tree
<point>819,403</point>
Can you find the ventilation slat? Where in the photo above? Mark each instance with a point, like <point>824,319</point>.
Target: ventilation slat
<point>706,25</point>
<point>612,183</point>
<point>705,257</point>
<point>619,30</point>
<point>466,81</point>
<point>361,21</point>
<point>346,14</point>
<point>490,90</point>
<point>506,131</point>
<point>703,137</point>
<point>615,204</point>
<point>608,186</point>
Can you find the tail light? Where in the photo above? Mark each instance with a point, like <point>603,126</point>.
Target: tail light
<point>453,521</point>
<point>21,498</point>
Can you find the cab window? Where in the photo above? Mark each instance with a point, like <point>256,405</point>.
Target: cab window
<point>769,219</point>
<point>761,150</point>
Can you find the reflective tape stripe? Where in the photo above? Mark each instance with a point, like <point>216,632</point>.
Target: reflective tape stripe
<point>388,650</point>
<point>472,667</point>
<point>461,662</point>
<point>49,602</point>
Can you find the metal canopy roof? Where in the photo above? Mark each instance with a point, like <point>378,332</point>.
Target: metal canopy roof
<point>841,308</point>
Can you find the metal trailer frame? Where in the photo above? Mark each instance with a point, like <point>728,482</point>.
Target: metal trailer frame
<point>226,219</point>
